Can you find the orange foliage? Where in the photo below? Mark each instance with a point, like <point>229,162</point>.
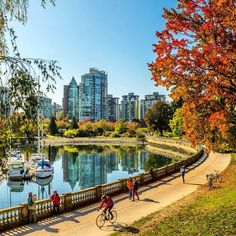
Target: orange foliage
<point>196,60</point>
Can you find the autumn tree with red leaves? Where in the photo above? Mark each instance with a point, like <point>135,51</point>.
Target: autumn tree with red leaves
<point>196,61</point>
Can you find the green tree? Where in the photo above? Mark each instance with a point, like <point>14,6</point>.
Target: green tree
<point>120,127</point>
<point>157,118</point>
<point>59,115</point>
<point>176,124</point>
<point>53,126</point>
<point>23,74</point>
<point>74,124</point>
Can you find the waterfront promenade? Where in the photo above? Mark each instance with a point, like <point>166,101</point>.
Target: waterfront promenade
<point>153,197</point>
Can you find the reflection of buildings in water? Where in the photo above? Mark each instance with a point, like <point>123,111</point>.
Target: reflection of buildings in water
<point>112,162</point>
<point>70,165</point>
<point>130,163</point>
<point>92,170</point>
<point>134,161</point>
<point>142,159</point>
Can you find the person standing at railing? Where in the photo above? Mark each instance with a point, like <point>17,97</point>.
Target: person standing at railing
<point>135,189</point>
<point>32,207</point>
<point>182,173</point>
<point>129,186</point>
<point>55,198</point>
<point>152,173</point>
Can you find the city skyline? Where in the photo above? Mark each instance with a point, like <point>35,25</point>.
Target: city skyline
<point>93,36</point>
<point>89,100</point>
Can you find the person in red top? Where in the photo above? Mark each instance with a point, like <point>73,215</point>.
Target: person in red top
<point>108,202</point>
<point>130,186</point>
<point>55,198</point>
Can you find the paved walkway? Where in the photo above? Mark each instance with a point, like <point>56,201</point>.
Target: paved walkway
<point>153,197</point>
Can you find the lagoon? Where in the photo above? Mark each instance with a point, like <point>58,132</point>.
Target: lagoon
<point>80,167</point>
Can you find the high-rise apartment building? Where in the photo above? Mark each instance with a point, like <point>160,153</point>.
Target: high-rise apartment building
<point>71,100</point>
<point>130,107</point>
<point>113,108</point>
<point>45,107</point>
<point>93,95</point>
<point>148,102</point>
<point>65,100</point>
<point>5,106</point>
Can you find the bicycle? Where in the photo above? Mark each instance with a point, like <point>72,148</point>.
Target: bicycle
<point>103,217</point>
<point>216,176</point>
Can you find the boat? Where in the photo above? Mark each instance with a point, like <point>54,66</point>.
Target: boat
<point>44,169</point>
<point>16,166</point>
<point>16,174</point>
<point>16,158</point>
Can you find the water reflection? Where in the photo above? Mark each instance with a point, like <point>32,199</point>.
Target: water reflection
<point>80,167</point>
<point>90,165</point>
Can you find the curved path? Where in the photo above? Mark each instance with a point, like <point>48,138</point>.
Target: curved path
<point>153,197</point>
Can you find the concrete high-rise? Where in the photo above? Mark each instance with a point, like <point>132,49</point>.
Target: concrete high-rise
<point>113,108</point>
<point>130,107</point>
<point>93,95</point>
<point>148,102</point>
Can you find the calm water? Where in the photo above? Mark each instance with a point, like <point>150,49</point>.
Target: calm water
<point>80,167</point>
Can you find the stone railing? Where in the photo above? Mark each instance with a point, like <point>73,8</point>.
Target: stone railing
<point>19,215</point>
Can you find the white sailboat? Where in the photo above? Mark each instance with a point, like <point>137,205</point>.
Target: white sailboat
<point>44,168</point>
<point>16,166</point>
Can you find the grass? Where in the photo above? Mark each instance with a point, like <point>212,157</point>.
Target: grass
<point>203,213</point>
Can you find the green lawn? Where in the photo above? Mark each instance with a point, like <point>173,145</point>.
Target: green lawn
<point>204,213</point>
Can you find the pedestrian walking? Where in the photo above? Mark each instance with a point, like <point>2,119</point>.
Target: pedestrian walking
<point>32,207</point>
<point>210,181</point>
<point>182,173</point>
<point>135,189</point>
<point>152,173</point>
<point>55,198</point>
<point>130,186</point>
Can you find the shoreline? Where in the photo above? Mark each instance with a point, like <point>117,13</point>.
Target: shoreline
<point>91,141</point>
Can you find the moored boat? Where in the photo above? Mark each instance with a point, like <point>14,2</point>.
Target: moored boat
<point>44,169</point>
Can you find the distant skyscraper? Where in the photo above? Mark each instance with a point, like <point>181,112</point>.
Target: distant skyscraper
<point>148,102</point>
<point>130,107</point>
<point>93,95</point>
<point>56,108</point>
<point>5,107</point>
<point>71,100</point>
<point>45,107</point>
<point>113,108</point>
<point>65,100</point>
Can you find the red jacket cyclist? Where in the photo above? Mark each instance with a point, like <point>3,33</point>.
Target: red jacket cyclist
<point>108,202</point>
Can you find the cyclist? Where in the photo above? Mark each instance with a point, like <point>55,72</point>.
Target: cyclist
<point>108,202</point>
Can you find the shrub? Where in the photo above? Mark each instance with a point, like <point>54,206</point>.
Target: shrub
<point>71,133</point>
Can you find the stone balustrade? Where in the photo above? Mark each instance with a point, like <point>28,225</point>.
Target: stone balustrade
<point>19,215</point>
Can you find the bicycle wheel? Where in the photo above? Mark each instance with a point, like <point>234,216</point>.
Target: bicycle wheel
<point>113,220</point>
<point>219,178</point>
<point>100,221</point>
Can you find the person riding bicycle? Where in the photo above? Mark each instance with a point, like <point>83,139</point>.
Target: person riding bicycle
<point>108,202</point>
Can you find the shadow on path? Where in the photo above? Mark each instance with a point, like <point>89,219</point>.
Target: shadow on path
<point>120,227</point>
<point>148,200</point>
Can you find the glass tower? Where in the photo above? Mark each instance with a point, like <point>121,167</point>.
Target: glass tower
<point>73,100</point>
<point>93,95</point>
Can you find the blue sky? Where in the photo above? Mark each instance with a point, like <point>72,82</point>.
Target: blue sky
<point>111,35</point>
